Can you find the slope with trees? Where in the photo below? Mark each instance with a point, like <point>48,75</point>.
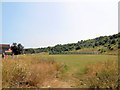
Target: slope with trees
<point>100,44</point>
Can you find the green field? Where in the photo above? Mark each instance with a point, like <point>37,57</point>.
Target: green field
<point>79,62</point>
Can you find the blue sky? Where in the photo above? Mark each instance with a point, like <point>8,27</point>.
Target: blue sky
<point>41,24</point>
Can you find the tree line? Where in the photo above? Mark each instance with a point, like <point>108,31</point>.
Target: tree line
<point>109,42</point>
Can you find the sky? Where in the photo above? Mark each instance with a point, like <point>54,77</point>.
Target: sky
<point>45,23</point>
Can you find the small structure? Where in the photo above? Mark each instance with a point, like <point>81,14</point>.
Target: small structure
<point>9,51</point>
<point>5,48</point>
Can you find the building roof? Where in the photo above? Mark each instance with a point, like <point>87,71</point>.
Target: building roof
<point>4,45</point>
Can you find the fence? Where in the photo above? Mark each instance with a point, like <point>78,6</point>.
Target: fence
<point>75,53</point>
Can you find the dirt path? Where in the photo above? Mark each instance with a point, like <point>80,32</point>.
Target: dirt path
<point>57,83</point>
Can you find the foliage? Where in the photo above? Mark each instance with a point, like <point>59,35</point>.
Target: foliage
<point>101,75</point>
<point>102,41</point>
<point>29,71</point>
<point>17,49</point>
<point>35,70</point>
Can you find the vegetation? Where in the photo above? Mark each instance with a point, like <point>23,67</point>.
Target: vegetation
<point>60,71</point>
<point>17,49</point>
<point>101,75</point>
<point>100,44</point>
<point>85,70</point>
<point>29,71</point>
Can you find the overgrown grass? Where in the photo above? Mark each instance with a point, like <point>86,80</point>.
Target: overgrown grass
<point>29,71</point>
<point>101,75</point>
<point>36,69</point>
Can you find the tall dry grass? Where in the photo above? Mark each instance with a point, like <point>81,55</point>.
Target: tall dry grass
<point>28,71</point>
<point>101,75</point>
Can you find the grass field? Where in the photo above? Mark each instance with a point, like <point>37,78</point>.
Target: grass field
<point>68,69</point>
<point>79,62</point>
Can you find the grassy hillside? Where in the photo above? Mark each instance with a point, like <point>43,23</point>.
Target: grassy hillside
<point>103,44</point>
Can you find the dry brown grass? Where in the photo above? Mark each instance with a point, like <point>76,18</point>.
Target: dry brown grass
<point>101,75</point>
<point>28,71</point>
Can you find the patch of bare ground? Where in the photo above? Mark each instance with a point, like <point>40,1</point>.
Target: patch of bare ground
<point>57,83</point>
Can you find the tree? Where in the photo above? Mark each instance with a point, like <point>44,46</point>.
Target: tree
<point>14,48</point>
<point>113,41</point>
<point>20,49</point>
<point>17,49</point>
<point>106,42</point>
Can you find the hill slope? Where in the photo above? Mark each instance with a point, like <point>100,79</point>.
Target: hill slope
<point>102,44</point>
